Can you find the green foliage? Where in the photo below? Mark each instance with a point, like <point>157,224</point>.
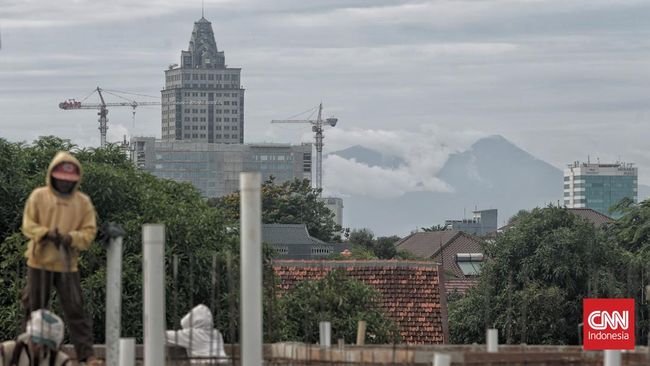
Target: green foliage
<point>382,247</point>
<point>340,300</point>
<point>294,202</point>
<point>434,228</point>
<point>539,272</point>
<point>132,198</point>
<point>357,252</point>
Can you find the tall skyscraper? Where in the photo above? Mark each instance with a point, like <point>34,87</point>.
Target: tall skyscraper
<point>203,100</point>
<point>599,186</point>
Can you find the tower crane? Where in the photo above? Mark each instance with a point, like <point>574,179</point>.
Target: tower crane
<point>317,127</point>
<point>73,104</point>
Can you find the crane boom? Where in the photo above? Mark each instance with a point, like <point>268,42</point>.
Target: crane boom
<point>73,104</point>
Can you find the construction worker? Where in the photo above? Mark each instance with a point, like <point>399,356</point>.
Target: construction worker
<point>198,336</point>
<point>39,345</point>
<point>60,222</point>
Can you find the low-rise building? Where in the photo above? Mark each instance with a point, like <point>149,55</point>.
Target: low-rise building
<point>292,241</point>
<point>214,168</point>
<point>482,223</point>
<point>460,254</point>
<point>412,292</point>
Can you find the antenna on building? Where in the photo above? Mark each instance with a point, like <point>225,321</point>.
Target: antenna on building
<point>588,159</point>
<point>202,8</point>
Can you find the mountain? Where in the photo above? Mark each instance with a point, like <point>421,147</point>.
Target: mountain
<point>370,157</point>
<point>492,173</point>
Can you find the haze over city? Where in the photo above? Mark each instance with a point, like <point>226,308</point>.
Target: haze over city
<point>417,80</point>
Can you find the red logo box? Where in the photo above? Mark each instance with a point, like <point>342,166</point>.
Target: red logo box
<point>608,324</point>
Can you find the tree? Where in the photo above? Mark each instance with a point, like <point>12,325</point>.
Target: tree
<point>362,237</point>
<point>539,271</point>
<point>340,300</point>
<point>293,202</point>
<point>434,228</point>
<point>384,246</point>
<point>195,233</point>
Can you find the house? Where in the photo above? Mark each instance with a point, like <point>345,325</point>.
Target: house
<point>292,241</point>
<point>412,292</point>
<point>591,215</point>
<point>460,254</point>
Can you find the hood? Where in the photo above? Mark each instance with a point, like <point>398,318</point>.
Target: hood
<point>200,316</point>
<point>63,157</point>
<point>46,328</point>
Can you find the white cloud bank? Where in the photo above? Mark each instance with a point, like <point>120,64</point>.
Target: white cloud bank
<point>424,152</point>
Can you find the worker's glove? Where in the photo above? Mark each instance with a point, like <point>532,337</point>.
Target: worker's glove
<point>52,236</point>
<point>108,231</point>
<point>65,240</point>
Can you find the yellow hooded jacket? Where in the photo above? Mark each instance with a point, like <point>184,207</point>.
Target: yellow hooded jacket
<point>47,209</point>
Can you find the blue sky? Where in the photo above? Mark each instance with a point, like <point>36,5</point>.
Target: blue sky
<point>418,79</point>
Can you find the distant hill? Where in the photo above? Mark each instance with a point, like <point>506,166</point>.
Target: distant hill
<point>492,173</point>
<point>370,157</point>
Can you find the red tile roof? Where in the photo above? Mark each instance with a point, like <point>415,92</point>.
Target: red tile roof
<point>411,292</point>
<point>460,285</point>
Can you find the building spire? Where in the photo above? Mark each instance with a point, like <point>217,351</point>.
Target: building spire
<point>202,8</point>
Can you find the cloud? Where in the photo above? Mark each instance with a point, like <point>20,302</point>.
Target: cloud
<point>347,177</point>
<point>424,151</point>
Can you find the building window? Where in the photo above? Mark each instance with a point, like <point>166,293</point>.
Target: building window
<point>218,128</point>
<point>202,76</point>
<point>227,128</point>
<point>187,119</point>
<point>234,119</point>
<point>217,136</point>
<point>195,77</point>
<point>234,111</point>
<point>226,103</point>
<point>202,135</point>
<point>218,119</point>
<point>186,127</point>
<point>210,77</point>
<point>217,111</point>
<point>226,119</point>
<point>187,135</point>
<point>195,135</point>
<point>195,119</point>
<point>470,263</point>
<point>195,127</point>
<point>187,110</point>
<point>226,136</point>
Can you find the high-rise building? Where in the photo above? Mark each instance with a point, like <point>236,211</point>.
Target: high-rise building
<point>214,168</point>
<point>599,186</point>
<point>203,100</point>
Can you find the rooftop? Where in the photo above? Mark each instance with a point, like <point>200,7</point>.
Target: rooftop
<point>410,291</point>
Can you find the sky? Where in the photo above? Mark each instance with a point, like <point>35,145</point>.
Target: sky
<point>563,80</point>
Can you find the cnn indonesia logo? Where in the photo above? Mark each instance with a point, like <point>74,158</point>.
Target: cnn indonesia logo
<point>608,324</point>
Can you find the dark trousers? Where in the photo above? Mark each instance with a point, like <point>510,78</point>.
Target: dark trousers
<point>68,286</point>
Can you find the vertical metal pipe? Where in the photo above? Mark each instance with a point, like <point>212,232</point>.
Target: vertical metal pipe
<point>361,333</point>
<point>251,268</point>
<point>325,334</point>
<point>441,359</point>
<point>113,300</point>
<point>127,352</point>
<point>492,340</point>
<point>153,247</point>
<point>611,358</point>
